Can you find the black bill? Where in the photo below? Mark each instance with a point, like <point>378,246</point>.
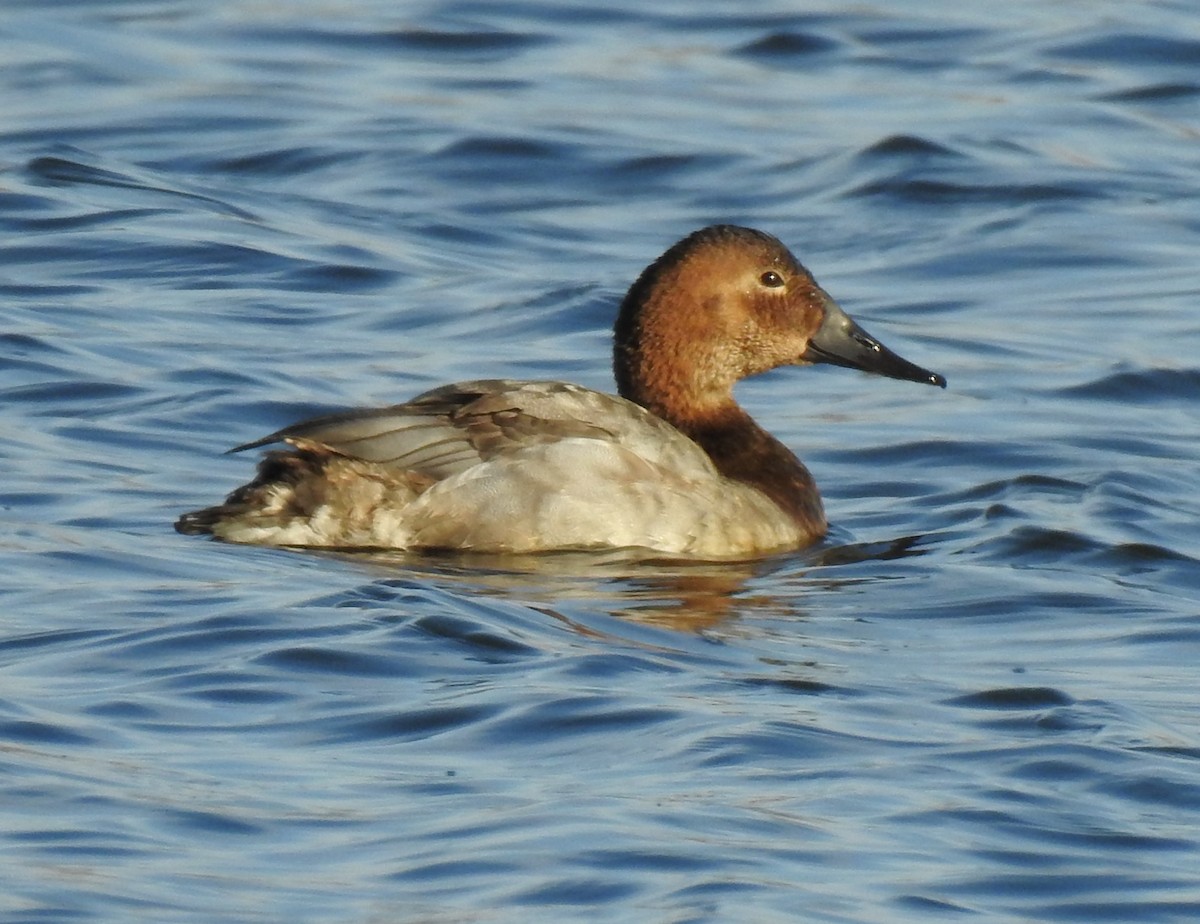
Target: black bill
<point>840,341</point>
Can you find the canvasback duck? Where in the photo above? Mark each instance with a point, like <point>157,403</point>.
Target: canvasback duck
<point>673,465</point>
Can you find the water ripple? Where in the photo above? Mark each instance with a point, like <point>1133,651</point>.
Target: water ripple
<point>1146,386</point>
<point>788,48</point>
<point>977,696</point>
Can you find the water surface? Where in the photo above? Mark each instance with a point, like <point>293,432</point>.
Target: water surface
<point>977,699</point>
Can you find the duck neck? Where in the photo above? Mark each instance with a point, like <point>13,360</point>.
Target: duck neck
<point>743,451</point>
<point>739,448</point>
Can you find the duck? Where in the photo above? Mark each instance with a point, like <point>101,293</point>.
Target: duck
<point>671,464</point>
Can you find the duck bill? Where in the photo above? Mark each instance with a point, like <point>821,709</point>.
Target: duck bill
<point>841,342</point>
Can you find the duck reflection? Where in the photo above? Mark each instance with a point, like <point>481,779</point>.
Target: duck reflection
<point>678,595</point>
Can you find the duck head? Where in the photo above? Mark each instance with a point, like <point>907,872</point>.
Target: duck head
<point>729,302</point>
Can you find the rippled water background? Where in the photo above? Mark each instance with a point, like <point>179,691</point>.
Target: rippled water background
<point>980,698</point>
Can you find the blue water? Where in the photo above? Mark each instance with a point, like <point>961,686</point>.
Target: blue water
<point>979,699</point>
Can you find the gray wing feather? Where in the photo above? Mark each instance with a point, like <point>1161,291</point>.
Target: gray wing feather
<point>444,431</point>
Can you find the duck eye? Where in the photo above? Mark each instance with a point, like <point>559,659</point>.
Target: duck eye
<point>771,279</point>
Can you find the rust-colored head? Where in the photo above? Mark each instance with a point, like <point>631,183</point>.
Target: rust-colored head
<point>725,303</point>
